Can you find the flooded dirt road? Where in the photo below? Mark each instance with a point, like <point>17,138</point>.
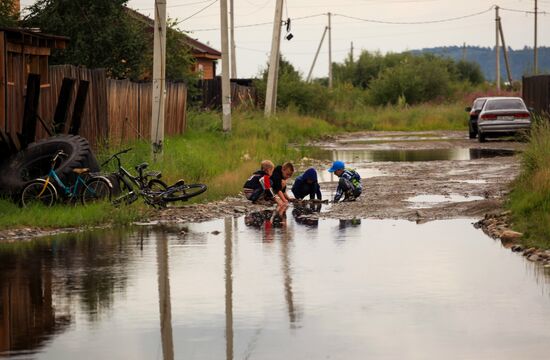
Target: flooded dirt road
<point>415,176</point>
<point>240,288</point>
<point>401,273</point>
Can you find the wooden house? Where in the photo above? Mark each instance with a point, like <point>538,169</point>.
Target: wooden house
<point>204,55</point>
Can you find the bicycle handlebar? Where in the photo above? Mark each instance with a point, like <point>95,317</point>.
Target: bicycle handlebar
<point>57,155</point>
<point>115,156</point>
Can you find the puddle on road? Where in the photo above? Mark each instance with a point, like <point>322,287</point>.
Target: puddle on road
<point>397,138</point>
<point>428,201</point>
<point>473,182</point>
<point>324,176</point>
<point>355,155</point>
<point>286,290</point>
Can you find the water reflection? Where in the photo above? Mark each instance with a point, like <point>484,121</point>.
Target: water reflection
<point>355,155</point>
<point>307,214</point>
<point>330,290</point>
<point>165,306</point>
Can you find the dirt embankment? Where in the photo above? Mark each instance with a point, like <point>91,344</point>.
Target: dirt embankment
<point>415,176</point>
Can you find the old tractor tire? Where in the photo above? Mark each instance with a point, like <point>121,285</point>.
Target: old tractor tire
<point>35,161</point>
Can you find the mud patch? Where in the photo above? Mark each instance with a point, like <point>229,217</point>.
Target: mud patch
<point>428,201</point>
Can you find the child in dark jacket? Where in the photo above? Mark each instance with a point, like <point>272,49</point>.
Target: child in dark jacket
<point>259,185</point>
<point>349,184</point>
<point>307,184</point>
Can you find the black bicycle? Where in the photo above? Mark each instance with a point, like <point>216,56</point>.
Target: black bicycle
<point>149,186</point>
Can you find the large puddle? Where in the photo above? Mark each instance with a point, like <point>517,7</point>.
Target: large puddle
<point>354,155</point>
<point>273,289</point>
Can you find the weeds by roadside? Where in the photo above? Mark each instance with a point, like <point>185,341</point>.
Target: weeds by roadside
<point>62,216</point>
<point>530,197</point>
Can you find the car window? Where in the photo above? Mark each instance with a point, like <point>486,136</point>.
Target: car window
<point>505,104</point>
<point>478,104</point>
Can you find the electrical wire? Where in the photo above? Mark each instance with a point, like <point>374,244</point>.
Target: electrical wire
<point>259,24</point>
<point>524,11</point>
<point>417,22</point>
<point>178,5</point>
<point>197,12</point>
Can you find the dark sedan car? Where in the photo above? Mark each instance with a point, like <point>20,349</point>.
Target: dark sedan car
<point>474,114</point>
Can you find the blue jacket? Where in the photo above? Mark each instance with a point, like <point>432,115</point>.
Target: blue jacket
<point>302,188</point>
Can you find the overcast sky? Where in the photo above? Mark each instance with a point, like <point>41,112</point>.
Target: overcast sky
<point>254,42</point>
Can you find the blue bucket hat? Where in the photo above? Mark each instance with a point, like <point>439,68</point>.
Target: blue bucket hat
<point>337,165</point>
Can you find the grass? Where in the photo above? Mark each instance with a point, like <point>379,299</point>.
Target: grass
<point>530,198</point>
<point>223,161</point>
<point>62,216</point>
<point>422,117</point>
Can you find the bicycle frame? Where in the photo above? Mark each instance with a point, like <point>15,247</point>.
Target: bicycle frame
<point>69,192</point>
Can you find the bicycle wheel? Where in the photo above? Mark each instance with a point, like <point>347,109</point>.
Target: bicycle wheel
<point>96,189</point>
<point>38,192</point>
<point>183,192</point>
<point>157,185</point>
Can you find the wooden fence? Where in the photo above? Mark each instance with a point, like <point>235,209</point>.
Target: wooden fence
<point>536,93</point>
<point>241,95</point>
<point>115,110</point>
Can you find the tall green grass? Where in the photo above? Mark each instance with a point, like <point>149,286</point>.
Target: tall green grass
<point>63,216</point>
<point>530,197</point>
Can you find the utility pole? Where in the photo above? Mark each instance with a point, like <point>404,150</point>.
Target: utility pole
<point>316,54</point>
<point>226,85</point>
<point>232,36</point>
<point>464,52</point>
<point>506,60</point>
<point>497,48</point>
<point>273,72</point>
<point>159,77</point>
<point>535,50</point>
<point>329,53</point>
<point>351,59</point>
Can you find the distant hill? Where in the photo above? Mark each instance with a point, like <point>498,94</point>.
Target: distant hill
<point>521,61</point>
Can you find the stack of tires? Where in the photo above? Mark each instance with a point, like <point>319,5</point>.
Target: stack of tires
<point>35,161</point>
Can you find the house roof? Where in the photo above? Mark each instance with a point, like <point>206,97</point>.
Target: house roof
<point>34,37</point>
<point>198,49</point>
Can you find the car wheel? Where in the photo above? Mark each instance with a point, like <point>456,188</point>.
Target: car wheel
<point>481,137</point>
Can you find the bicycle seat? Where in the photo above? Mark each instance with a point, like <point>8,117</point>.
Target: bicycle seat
<point>81,171</point>
<point>141,167</point>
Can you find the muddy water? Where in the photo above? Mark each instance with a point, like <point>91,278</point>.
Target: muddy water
<point>269,288</point>
<point>399,155</point>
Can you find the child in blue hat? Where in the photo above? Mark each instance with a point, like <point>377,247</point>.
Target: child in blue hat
<point>349,184</point>
<point>307,184</point>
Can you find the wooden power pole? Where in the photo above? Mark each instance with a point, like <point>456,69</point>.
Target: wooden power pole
<point>497,48</point>
<point>271,91</point>
<point>316,55</point>
<point>329,53</point>
<point>226,85</point>
<point>159,77</point>
<point>535,49</point>
<point>505,51</point>
<point>232,39</point>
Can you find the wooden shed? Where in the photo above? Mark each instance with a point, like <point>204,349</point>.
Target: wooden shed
<point>22,51</point>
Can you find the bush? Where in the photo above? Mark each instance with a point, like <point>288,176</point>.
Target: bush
<point>415,79</point>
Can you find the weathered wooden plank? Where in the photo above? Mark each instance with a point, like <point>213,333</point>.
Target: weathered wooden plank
<point>3,82</point>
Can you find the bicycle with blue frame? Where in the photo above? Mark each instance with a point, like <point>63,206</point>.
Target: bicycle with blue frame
<point>87,188</point>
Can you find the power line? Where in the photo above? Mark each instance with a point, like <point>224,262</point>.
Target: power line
<point>179,5</point>
<point>524,11</point>
<point>198,12</point>
<point>417,22</point>
<point>259,24</point>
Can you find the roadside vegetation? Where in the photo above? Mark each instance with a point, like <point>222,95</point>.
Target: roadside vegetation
<point>530,198</point>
